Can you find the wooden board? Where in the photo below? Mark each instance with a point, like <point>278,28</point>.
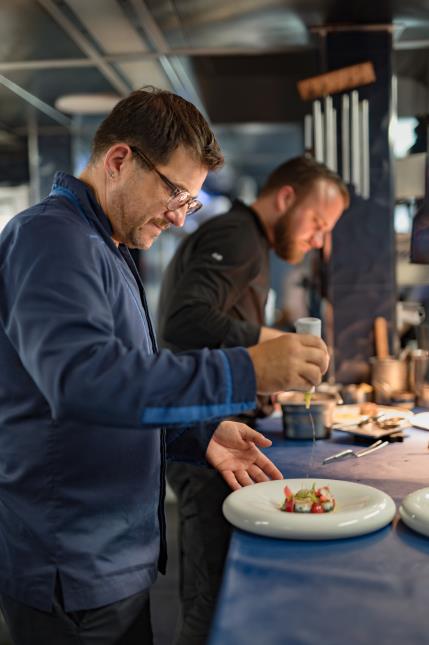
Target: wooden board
<point>340,80</point>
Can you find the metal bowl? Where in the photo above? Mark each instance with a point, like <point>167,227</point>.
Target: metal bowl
<point>297,419</point>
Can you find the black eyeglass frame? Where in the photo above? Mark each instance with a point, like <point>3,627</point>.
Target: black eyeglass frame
<point>178,197</point>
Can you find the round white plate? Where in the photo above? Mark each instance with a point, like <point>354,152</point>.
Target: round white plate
<point>414,511</point>
<point>359,509</point>
<point>421,420</point>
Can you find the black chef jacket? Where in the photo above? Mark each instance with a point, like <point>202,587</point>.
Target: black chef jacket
<point>215,288</point>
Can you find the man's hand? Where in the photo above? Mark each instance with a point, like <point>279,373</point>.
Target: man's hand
<point>290,362</point>
<point>233,452</point>
<point>268,333</point>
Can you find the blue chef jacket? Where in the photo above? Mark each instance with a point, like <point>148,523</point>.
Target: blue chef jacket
<point>83,395</point>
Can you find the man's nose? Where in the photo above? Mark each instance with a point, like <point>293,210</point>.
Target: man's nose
<point>177,217</point>
<point>317,240</point>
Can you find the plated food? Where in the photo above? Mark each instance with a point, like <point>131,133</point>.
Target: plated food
<point>373,422</point>
<point>368,408</point>
<point>354,414</point>
<point>308,500</point>
<point>359,509</point>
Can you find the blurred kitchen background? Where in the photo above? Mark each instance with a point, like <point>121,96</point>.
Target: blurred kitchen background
<point>64,64</point>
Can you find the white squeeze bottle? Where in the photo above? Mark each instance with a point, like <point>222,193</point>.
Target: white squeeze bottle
<point>311,326</point>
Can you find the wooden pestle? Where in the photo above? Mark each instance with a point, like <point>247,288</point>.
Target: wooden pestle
<point>381,338</point>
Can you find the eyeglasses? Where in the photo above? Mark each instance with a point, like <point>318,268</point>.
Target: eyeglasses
<point>178,197</point>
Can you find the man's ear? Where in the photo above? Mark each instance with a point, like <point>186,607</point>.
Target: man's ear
<point>115,157</point>
<point>284,198</point>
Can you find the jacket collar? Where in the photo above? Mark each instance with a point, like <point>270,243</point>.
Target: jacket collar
<point>85,198</point>
<point>239,205</point>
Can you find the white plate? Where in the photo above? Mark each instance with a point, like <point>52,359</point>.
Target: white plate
<point>421,420</point>
<point>414,511</point>
<point>359,509</point>
<point>350,415</point>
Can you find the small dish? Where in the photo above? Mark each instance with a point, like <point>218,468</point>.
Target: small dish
<point>414,511</point>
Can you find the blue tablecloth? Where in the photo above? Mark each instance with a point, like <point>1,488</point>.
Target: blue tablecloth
<point>368,590</point>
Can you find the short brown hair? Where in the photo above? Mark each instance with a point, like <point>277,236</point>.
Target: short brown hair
<point>159,122</point>
<point>301,173</point>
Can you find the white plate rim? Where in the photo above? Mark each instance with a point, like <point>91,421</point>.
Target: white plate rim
<point>410,515</point>
<point>418,422</point>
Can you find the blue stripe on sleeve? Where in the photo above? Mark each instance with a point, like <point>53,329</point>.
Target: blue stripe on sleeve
<point>192,413</point>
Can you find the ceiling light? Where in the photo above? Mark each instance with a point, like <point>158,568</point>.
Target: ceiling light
<point>86,103</point>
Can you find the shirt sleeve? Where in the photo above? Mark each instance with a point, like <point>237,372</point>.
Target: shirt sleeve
<point>56,312</point>
<point>190,443</point>
<point>221,264</point>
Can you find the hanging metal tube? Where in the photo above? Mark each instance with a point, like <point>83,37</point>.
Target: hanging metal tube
<point>308,132</point>
<point>33,155</point>
<point>318,131</point>
<point>355,140</point>
<point>364,135</point>
<point>328,131</point>
<point>345,137</point>
<point>334,141</point>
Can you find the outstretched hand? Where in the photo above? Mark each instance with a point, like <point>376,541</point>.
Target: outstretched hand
<point>234,453</point>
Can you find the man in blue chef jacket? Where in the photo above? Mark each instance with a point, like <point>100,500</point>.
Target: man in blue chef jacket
<point>89,408</point>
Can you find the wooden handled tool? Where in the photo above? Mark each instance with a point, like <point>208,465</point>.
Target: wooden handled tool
<point>381,337</point>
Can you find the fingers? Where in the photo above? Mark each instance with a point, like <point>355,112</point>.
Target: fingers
<point>234,434</point>
<point>248,434</point>
<point>230,479</point>
<point>314,351</point>
<point>312,341</point>
<point>237,479</point>
<point>230,434</point>
<point>310,375</point>
<point>292,361</point>
<point>261,470</point>
<point>254,474</point>
<point>243,478</point>
<point>308,360</point>
<point>267,466</point>
<point>257,474</point>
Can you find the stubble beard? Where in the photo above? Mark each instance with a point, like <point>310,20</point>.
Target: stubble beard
<point>124,231</point>
<point>284,245</point>
<point>140,236</point>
